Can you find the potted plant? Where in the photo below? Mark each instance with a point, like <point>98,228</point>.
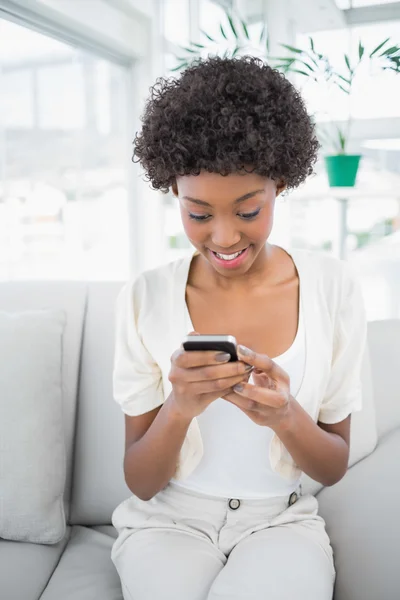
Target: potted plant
<point>235,38</point>
<point>341,167</point>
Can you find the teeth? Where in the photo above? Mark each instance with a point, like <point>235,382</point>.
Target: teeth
<point>229,256</point>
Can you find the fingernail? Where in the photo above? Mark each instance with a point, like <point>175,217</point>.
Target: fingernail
<point>248,368</point>
<point>244,350</point>
<point>222,357</point>
<point>238,387</point>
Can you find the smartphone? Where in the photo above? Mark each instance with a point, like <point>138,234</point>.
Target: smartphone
<point>219,343</point>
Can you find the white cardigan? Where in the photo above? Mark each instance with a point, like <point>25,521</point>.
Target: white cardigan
<point>152,319</point>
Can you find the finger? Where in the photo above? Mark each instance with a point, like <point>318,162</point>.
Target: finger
<point>215,385</point>
<point>265,396</point>
<point>244,403</point>
<point>198,358</point>
<point>261,379</point>
<point>210,372</point>
<point>262,362</point>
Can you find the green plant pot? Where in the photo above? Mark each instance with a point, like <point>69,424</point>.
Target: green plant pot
<point>342,169</point>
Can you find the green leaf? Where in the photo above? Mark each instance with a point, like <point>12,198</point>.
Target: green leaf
<point>197,45</point>
<point>344,79</point>
<point>207,36</point>
<point>342,140</point>
<point>342,88</point>
<point>185,64</point>
<point>303,62</point>
<point>300,60</point>
<point>235,33</point>
<point>292,49</point>
<point>246,31</point>
<point>391,50</point>
<point>378,47</point>
<point>236,50</point>
<point>346,58</point>
<point>360,50</point>
<point>288,58</point>
<point>263,32</point>
<point>222,31</point>
<point>301,72</point>
<point>310,57</point>
<point>312,44</point>
<point>189,50</point>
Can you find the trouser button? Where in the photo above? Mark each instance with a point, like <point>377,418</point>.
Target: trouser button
<point>234,504</point>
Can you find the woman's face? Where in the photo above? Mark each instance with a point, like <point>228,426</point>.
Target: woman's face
<point>227,215</point>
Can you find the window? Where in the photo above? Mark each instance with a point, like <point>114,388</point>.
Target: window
<point>176,21</point>
<point>64,160</point>
<point>375,92</point>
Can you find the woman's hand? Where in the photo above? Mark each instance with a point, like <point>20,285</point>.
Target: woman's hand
<point>200,377</point>
<point>268,402</point>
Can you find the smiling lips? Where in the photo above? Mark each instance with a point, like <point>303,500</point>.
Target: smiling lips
<point>228,256</point>
<point>230,260</point>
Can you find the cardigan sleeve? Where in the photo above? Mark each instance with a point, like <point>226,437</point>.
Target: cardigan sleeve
<point>344,393</point>
<point>137,378</point>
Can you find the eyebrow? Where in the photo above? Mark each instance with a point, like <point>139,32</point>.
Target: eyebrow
<point>237,201</point>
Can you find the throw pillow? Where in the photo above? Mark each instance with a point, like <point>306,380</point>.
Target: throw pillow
<point>32,451</point>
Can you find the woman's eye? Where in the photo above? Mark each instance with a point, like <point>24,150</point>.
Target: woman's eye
<point>247,216</point>
<point>198,217</point>
<point>250,215</point>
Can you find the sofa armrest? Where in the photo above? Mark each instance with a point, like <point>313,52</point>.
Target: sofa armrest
<point>363,522</point>
<point>383,342</point>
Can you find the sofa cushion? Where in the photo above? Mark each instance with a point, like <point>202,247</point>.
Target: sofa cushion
<point>361,515</point>
<point>107,530</point>
<point>85,571</point>
<point>26,568</point>
<point>33,464</point>
<point>70,296</point>
<point>363,435</point>
<point>99,484</point>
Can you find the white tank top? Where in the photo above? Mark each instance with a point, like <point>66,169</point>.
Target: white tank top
<point>235,463</point>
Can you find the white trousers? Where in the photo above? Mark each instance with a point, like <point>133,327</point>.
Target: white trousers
<point>181,545</point>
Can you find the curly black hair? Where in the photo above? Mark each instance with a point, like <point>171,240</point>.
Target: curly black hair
<point>223,115</point>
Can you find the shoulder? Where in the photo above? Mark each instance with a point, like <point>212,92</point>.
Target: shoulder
<point>331,273</point>
<point>153,287</point>
<point>330,284</point>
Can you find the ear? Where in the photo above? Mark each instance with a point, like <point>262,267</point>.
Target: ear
<point>280,187</point>
<point>174,188</point>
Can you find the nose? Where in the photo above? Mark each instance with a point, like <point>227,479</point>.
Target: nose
<point>225,236</point>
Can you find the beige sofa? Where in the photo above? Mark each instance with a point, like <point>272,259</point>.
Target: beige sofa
<point>361,511</point>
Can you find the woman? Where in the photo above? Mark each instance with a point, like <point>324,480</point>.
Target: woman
<point>215,449</point>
